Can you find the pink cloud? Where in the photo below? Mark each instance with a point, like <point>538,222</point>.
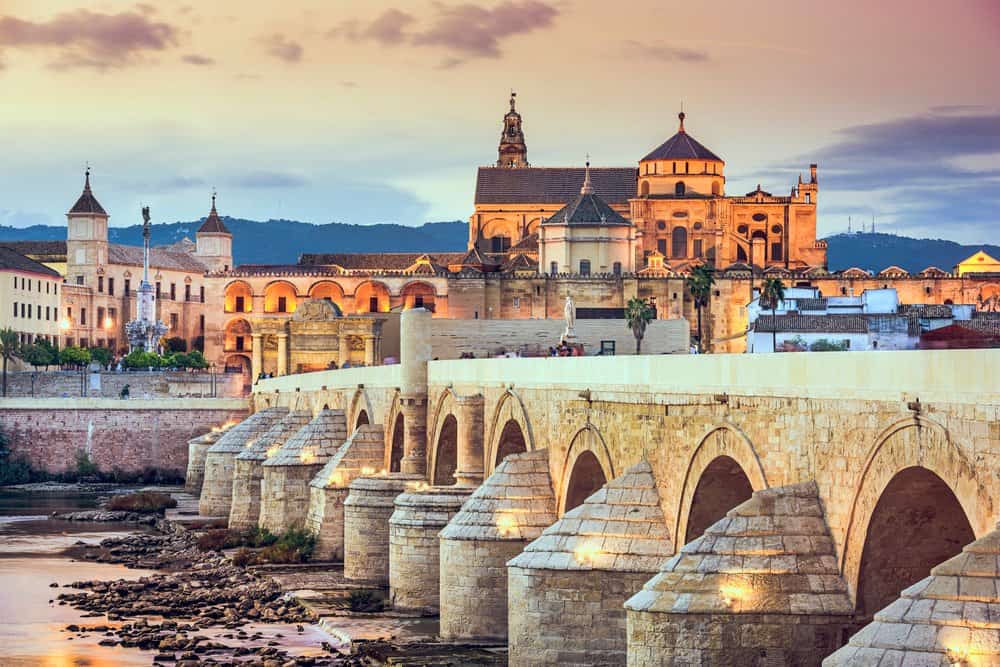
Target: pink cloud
<point>283,48</point>
<point>84,38</point>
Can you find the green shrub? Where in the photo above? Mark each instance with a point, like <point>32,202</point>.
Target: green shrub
<point>217,540</point>
<point>74,356</point>
<point>13,470</point>
<point>824,345</point>
<point>141,359</point>
<point>41,353</point>
<point>293,546</point>
<point>142,501</point>
<point>84,466</point>
<point>101,355</point>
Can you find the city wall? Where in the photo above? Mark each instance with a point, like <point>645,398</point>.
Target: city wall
<point>850,421</point>
<point>125,435</point>
<point>142,384</point>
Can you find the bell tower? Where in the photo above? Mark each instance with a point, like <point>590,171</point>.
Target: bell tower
<point>513,151</point>
<point>86,238</point>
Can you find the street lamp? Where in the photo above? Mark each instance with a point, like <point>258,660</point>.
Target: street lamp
<point>211,368</point>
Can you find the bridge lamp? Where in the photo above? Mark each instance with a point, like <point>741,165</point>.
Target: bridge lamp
<point>64,323</point>
<point>368,471</point>
<point>108,323</point>
<point>506,524</point>
<point>336,479</point>
<point>732,594</point>
<point>958,656</point>
<point>586,553</point>
<point>307,456</point>
<point>273,450</point>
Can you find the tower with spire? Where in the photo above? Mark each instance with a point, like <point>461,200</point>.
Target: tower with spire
<point>214,242</point>
<point>86,237</point>
<point>513,152</point>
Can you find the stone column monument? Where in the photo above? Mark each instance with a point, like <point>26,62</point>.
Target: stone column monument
<point>415,352</point>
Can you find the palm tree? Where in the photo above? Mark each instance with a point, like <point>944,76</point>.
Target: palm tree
<point>700,283</point>
<point>638,313</point>
<point>771,294</point>
<point>10,347</point>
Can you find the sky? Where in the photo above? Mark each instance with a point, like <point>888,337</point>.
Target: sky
<point>374,111</point>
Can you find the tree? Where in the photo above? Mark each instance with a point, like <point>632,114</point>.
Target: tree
<point>101,355</point>
<point>771,294</point>
<point>700,284</point>
<point>638,313</point>
<point>41,353</point>
<point>174,344</point>
<point>10,348</point>
<point>74,356</point>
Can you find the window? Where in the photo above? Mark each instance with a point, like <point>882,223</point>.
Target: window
<point>201,293</point>
<point>742,229</point>
<point>808,198</point>
<point>128,286</point>
<point>679,188</point>
<point>112,315</point>
<point>100,283</point>
<point>661,225</point>
<point>661,246</point>
<point>79,280</point>
<point>776,229</point>
<point>697,247</point>
<point>48,312</point>
<point>776,251</point>
<point>538,290</point>
<point>187,292</point>
<point>157,290</point>
<point>239,344</point>
<point>616,268</point>
<point>69,314</point>
<point>173,321</point>
<point>517,303</point>
<point>283,304</point>
<point>500,243</point>
<point>111,286</point>
<point>584,267</point>
<point>554,268</point>
<point>15,309</point>
<point>372,304</point>
<point>100,317</point>
<point>679,242</point>
<point>201,323</point>
<point>173,291</point>
<point>23,310</point>
<point>685,167</point>
<point>418,301</point>
<point>83,317</point>
<point>240,303</point>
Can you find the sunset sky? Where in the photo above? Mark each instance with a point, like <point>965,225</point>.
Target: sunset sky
<point>376,111</point>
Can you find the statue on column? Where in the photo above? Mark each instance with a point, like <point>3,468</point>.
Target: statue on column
<point>569,312</point>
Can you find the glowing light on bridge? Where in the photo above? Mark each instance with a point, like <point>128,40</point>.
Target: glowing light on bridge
<point>308,455</point>
<point>274,449</point>
<point>506,524</point>
<point>586,553</point>
<point>732,594</point>
<point>367,471</point>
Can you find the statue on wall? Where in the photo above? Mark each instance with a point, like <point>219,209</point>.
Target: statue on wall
<point>569,312</point>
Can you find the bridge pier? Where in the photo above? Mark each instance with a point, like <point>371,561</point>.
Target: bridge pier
<point>244,513</point>
<point>760,586</point>
<point>284,485</point>
<point>414,550</point>
<point>568,588</point>
<point>470,440</point>
<point>363,451</point>
<point>948,618</point>
<point>367,509</point>
<point>197,450</point>
<point>512,507</point>
<point>217,488</point>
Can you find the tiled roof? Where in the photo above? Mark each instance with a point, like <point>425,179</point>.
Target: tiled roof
<point>159,258</point>
<point>213,223</point>
<point>586,210</point>
<point>235,439</point>
<point>315,443</point>
<point>681,146</point>
<point>552,185</point>
<point>15,261</point>
<point>87,204</point>
<point>519,262</point>
<point>927,311</point>
<point>811,304</point>
<point>365,448</point>
<point>260,448</point>
<point>989,326</point>
<point>37,248</point>
<point>528,244</point>
<point>811,323</point>
<point>374,261</point>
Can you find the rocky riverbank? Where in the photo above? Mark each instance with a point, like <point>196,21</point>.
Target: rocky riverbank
<point>196,610</point>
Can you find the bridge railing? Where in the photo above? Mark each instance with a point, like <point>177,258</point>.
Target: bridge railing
<point>344,378</point>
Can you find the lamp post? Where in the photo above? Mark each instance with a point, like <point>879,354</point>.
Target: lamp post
<point>211,368</point>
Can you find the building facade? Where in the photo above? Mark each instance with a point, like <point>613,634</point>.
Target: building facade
<point>30,294</point>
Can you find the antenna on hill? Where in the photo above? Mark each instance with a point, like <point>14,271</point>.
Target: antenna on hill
<point>848,224</point>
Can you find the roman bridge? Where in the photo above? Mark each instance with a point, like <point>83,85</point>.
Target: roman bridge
<point>810,490</point>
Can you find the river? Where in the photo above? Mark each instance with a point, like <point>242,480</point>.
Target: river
<point>31,558</point>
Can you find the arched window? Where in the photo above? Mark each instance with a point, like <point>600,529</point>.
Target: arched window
<point>715,189</point>
<point>679,188</point>
<point>678,243</point>
<point>616,268</point>
<point>644,188</point>
<point>584,267</point>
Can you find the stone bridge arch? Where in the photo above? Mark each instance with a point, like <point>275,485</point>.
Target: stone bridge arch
<point>393,427</point>
<point>510,411</point>
<point>443,443</point>
<point>723,449</point>
<point>915,443</point>
<point>586,467</point>
<point>360,404</point>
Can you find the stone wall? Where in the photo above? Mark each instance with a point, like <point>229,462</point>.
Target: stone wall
<point>127,435</point>
<point>450,338</point>
<point>71,384</point>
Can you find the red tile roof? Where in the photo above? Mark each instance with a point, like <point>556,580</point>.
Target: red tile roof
<point>552,185</point>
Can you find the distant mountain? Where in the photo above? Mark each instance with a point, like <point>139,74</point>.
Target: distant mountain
<point>875,252</point>
<point>282,241</point>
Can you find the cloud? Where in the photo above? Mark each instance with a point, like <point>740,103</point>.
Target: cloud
<point>269,179</point>
<point>83,38</point>
<point>465,31</point>
<point>283,48</point>
<point>195,59</point>
<point>664,53</point>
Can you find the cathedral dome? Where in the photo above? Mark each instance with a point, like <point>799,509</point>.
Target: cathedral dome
<point>681,146</point>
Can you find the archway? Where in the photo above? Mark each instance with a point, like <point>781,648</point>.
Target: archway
<point>327,289</point>
<point>509,408</point>
<point>371,297</point>
<point>237,336</point>
<point>396,447</point>
<point>678,243</point>
<point>722,486</point>
<point>511,441</point>
<point>917,524</point>
<point>279,297</point>
<point>446,453</point>
<point>240,363</point>
<point>361,420</point>
<point>418,295</point>
<point>585,479</point>
<point>239,297</point>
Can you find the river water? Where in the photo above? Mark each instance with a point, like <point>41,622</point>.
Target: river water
<point>31,558</point>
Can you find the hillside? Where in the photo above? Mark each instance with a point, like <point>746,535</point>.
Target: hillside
<point>875,252</point>
<point>282,241</point>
